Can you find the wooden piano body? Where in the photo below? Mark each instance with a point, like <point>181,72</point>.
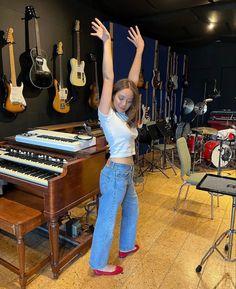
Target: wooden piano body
<point>78,182</point>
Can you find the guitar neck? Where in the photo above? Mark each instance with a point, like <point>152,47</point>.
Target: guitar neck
<point>96,76</point>
<point>78,47</point>
<point>38,43</point>
<point>61,80</point>
<point>12,64</point>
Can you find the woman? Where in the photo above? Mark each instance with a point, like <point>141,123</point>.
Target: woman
<point>117,114</point>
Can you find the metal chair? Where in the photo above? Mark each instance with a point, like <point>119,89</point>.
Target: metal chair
<point>189,178</point>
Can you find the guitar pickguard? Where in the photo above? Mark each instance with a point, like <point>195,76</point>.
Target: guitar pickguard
<point>40,75</point>
<point>77,75</point>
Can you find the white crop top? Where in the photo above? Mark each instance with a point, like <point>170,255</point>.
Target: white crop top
<point>120,137</point>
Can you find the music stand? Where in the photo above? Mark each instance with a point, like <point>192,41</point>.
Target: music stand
<point>155,136</point>
<point>165,131</point>
<point>225,186</point>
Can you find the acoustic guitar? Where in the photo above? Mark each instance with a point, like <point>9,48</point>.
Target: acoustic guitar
<point>15,101</point>
<point>60,102</point>
<point>40,75</point>
<point>77,75</point>
<point>94,88</point>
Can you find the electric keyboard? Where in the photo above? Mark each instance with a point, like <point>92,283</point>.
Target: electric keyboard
<point>56,140</point>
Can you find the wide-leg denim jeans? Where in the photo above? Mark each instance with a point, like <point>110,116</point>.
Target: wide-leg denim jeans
<point>117,188</point>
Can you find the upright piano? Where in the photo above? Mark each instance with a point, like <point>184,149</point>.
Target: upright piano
<point>53,180</point>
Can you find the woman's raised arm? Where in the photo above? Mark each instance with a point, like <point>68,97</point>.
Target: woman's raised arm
<point>107,65</point>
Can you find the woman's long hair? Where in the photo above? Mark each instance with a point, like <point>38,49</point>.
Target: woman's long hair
<point>132,112</point>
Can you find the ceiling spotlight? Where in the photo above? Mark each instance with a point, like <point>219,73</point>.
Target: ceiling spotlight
<point>211,26</point>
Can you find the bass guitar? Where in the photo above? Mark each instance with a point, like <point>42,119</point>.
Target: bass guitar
<point>94,88</point>
<point>15,101</point>
<point>60,102</point>
<point>40,75</point>
<point>77,75</point>
<point>156,78</point>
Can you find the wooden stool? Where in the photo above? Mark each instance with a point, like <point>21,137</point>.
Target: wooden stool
<point>18,220</point>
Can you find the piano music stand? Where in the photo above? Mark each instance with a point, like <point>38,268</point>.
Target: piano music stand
<point>225,186</point>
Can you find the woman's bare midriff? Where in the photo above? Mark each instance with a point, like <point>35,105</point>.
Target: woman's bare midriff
<point>126,160</point>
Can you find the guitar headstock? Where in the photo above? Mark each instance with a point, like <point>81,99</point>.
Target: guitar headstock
<point>93,57</point>
<point>10,38</point>
<point>59,48</point>
<point>77,25</point>
<point>30,12</point>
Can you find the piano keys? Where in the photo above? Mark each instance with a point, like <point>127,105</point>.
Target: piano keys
<point>57,140</point>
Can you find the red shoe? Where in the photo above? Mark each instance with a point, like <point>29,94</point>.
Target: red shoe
<point>125,254</point>
<point>118,270</point>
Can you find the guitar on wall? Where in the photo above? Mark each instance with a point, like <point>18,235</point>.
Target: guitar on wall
<point>15,101</point>
<point>140,83</point>
<point>60,102</point>
<point>94,88</point>
<point>77,75</point>
<point>156,78</point>
<point>145,108</point>
<point>40,75</point>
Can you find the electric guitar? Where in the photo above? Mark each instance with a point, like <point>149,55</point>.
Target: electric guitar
<point>145,108</point>
<point>94,88</point>
<point>60,102</point>
<point>141,79</point>
<point>77,75</point>
<point>40,75</point>
<point>156,78</point>
<point>15,101</point>
<point>175,71</point>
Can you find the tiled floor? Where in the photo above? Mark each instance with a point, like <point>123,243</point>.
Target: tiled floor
<point>172,245</point>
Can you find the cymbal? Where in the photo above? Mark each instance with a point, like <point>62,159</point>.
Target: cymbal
<point>205,130</point>
<point>188,105</point>
<point>200,108</point>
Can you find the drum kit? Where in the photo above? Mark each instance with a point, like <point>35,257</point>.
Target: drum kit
<point>215,147</point>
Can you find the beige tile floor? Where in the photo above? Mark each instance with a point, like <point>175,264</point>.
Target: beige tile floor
<point>172,245</point>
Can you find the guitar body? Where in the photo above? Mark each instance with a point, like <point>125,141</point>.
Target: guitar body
<point>40,75</point>
<point>77,75</point>
<point>145,114</point>
<point>15,101</point>
<point>156,81</point>
<point>94,96</point>
<point>60,103</point>
<point>140,80</point>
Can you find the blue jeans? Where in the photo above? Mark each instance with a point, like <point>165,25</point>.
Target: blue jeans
<point>117,188</point>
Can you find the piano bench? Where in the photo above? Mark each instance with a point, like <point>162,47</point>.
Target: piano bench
<point>18,220</point>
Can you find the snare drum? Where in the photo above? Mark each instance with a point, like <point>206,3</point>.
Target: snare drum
<point>194,144</point>
<point>211,152</point>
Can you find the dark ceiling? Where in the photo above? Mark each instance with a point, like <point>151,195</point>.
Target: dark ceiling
<point>180,23</point>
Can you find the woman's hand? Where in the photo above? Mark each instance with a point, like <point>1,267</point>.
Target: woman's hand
<point>136,38</point>
<point>100,30</point>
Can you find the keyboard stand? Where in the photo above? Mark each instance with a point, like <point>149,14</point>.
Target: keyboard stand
<point>209,183</point>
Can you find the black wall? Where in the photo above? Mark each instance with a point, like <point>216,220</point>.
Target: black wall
<point>215,61</point>
<point>56,24</point>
